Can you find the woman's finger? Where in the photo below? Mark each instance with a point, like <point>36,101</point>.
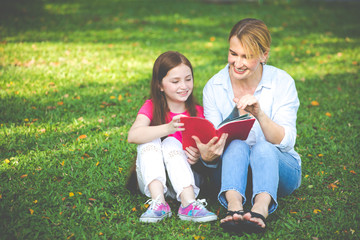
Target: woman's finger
<point>222,140</point>
<point>212,141</point>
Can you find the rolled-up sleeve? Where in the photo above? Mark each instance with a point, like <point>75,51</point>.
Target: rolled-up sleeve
<point>286,105</point>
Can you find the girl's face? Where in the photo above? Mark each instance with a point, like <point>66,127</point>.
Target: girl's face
<point>241,67</point>
<point>177,84</point>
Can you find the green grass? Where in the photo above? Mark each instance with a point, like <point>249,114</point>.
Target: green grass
<point>73,68</point>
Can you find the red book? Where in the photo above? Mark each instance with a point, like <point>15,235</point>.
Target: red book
<point>237,127</point>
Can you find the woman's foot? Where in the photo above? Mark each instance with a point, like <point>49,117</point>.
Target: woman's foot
<point>254,221</point>
<point>235,216</point>
<point>235,207</point>
<point>233,221</point>
<point>262,210</point>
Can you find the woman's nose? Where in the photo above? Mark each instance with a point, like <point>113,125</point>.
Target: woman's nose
<point>238,62</point>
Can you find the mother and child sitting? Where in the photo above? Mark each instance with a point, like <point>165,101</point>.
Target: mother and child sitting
<point>266,161</point>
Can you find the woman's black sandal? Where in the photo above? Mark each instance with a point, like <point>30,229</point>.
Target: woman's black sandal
<point>251,227</point>
<point>233,226</point>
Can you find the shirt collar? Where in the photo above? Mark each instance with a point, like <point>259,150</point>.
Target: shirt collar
<point>223,74</point>
<point>265,79</point>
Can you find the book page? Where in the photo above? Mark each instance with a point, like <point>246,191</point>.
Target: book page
<point>234,116</point>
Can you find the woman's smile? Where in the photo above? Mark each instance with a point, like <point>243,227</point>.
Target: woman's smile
<point>239,70</point>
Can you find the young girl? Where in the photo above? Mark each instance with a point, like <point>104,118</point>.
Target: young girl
<point>157,131</point>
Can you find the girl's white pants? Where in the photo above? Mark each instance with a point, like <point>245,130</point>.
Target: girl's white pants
<point>155,157</point>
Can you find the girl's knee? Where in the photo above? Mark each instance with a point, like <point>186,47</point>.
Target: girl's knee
<point>150,147</point>
<point>172,150</point>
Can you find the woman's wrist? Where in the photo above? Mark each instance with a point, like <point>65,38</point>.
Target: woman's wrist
<point>210,160</point>
<point>261,116</point>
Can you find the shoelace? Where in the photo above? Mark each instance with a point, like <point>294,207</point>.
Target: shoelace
<point>154,203</point>
<point>200,202</point>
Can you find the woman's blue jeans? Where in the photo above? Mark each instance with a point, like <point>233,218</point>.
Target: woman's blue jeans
<point>274,172</point>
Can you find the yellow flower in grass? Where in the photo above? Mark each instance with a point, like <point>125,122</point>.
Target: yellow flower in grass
<point>315,103</point>
<point>71,194</point>
<point>316,211</point>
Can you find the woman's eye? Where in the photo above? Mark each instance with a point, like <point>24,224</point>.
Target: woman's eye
<point>188,79</point>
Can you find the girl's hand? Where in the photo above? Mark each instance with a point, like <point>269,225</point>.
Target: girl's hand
<point>175,124</point>
<point>193,155</point>
<point>248,103</point>
<point>213,149</point>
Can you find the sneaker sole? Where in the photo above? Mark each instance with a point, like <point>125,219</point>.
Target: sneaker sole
<point>198,219</point>
<point>154,220</point>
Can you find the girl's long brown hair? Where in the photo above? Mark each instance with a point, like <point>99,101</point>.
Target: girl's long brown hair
<point>163,64</point>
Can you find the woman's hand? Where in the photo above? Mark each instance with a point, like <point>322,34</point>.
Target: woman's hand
<point>213,149</point>
<point>250,104</point>
<point>175,124</point>
<point>273,132</point>
<point>193,155</point>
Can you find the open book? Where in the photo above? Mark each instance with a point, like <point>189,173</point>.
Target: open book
<point>236,125</point>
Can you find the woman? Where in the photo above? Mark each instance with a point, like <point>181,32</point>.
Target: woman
<point>269,94</point>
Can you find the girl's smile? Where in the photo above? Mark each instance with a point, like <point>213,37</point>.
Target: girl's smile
<point>184,93</point>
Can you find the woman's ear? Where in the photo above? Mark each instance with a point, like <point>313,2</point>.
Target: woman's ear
<point>265,57</point>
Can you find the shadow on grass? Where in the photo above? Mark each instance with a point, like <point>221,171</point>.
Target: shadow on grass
<point>91,113</point>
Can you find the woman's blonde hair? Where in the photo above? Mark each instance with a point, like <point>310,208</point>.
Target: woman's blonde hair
<point>253,35</point>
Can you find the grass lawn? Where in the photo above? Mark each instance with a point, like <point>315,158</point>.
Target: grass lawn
<point>73,75</point>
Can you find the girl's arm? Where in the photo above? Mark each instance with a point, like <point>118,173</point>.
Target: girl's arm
<point>141,131</point>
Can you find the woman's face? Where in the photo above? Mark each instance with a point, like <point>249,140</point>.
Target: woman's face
<point>177,84</point>
<point>241,67</point>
